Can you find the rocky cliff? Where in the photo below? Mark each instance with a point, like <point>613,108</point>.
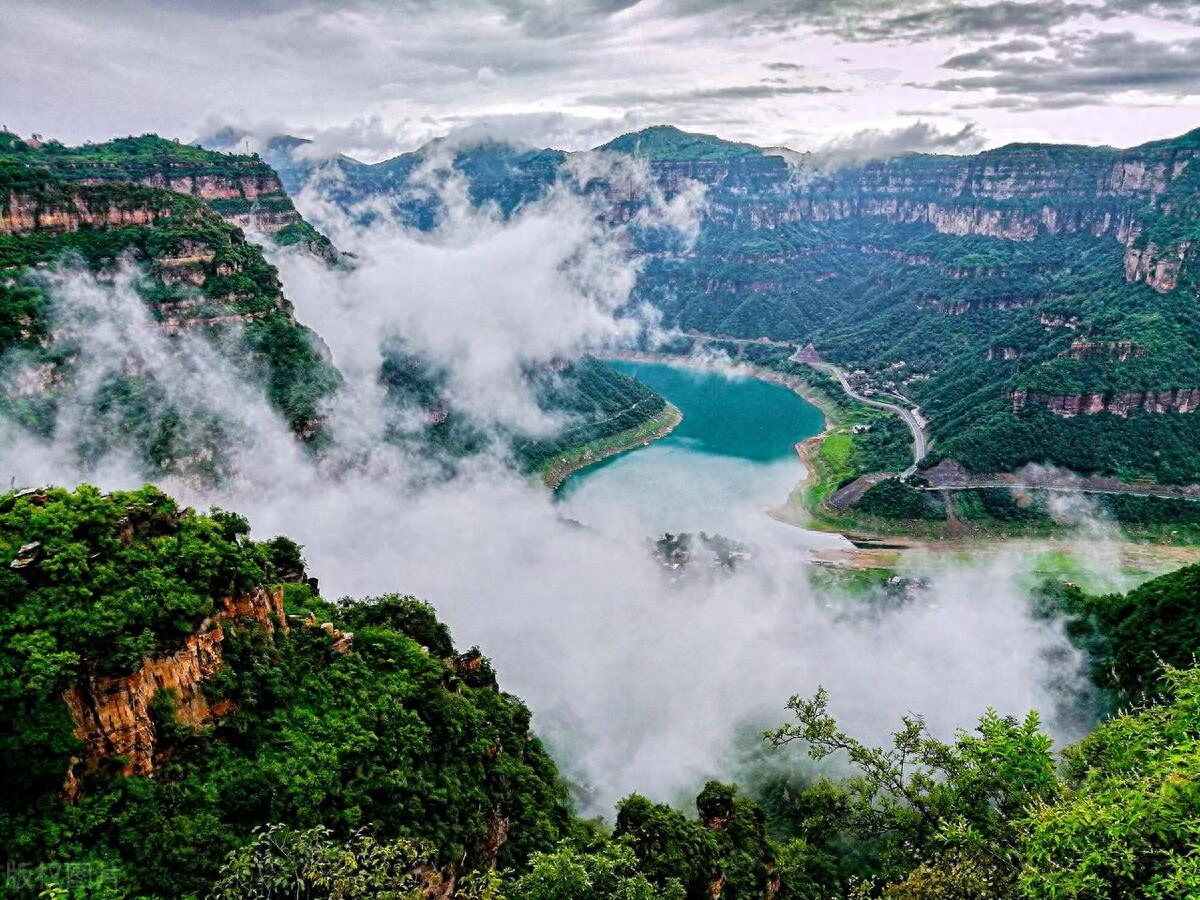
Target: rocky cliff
<point>114,715</point>
<point>1177,400</point>
<point>242,189</point>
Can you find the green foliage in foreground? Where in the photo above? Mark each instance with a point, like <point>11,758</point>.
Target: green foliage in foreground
<point>398,764</point>
<point>400,733</point>
<point>989,815</point>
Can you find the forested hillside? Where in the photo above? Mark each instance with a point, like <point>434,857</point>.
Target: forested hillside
<point>190,718</point>
<point>179,214</point>
<point>196,274</point>
<point>1037,301</point>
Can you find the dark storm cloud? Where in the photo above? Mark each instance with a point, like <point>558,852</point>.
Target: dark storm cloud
<point>992,56</point>
<point>1084,69</point>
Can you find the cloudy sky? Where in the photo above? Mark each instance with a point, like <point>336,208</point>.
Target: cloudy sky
<point>375,77</point>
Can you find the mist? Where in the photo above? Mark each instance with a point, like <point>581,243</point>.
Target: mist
<point>638,682</point>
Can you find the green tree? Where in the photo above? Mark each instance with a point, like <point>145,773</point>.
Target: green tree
<point>310,865</point>
<point>609,872</point>
<point>1128,823</point>
<point>948,809</point>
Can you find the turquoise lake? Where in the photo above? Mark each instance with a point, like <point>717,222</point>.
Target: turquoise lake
<point>731,459</point>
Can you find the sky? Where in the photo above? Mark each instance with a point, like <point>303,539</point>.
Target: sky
<point>372,78</point>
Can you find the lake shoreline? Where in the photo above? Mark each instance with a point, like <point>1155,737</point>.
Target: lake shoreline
<point>887,550</point>
<point>805,449</point>
<point>654,429</point>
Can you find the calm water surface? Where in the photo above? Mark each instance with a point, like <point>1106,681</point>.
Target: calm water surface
<point>732,458</point>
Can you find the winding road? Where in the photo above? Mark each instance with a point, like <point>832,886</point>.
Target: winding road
<point>1065,483</point>
<point>920,440</point>
<point>1068,483</point>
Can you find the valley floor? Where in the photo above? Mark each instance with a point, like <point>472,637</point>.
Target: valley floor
<point>878,545</point>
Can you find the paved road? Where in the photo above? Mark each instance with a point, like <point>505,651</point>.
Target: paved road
<point>1166,492</point>
<point>920,442</point>
<point>921,445</point>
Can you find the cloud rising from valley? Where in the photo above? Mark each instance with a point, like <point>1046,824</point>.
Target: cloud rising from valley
<point>638,682</point>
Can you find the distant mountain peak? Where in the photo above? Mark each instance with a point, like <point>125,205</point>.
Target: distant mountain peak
<point>667,143</point>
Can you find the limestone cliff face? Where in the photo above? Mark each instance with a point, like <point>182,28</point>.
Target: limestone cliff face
<point>1159,267</point>
<point>1012,193</point>
<point>112,714</point>
<point>1116,351</point>
<point>255,200</point>
<point>192,265</point>
<point>25,213</point>
<point>1119,403</point>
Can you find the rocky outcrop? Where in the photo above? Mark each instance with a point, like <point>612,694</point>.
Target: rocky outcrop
<point>26,213</point>
<point>1050,320</point>
<point>1159,267</point>
<point>1114,351</point>
<point>1119,403</point>
<point>1004,353</point>
<point>961,307</point>
<point>1013,193</point>
<point>253,199</point>
<point>215,187</point>
<point>113,715</point>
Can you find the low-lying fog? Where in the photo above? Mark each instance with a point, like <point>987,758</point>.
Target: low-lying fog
<point>637,681</point>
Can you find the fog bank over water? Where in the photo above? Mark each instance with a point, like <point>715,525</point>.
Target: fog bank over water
<point>638,682</point>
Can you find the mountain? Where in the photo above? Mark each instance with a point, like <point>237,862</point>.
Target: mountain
<point>1036,301</point>
<point>666,143</point>
<point>199,276</point>
<point>178,213</point>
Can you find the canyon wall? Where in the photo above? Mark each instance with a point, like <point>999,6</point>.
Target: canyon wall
<point>1119,403</point>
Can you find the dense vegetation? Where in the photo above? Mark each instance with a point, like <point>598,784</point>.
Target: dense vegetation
<point>1130,637</point>
<point>896,499</point>
<point>396,763</point>
<point>595,403</point>
<point>1022,289</point>
<point>401,733</point>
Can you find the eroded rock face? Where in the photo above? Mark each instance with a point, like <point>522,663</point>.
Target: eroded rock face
<point>1116,351</point>
<point>1159,267</point>
<point>26,213</point>
<point>112,714</point>
<point>1119,403</point>
<point>254,201</point>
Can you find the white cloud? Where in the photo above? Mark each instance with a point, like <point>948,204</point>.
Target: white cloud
<point>373,78</point>
<point>639,684</point>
